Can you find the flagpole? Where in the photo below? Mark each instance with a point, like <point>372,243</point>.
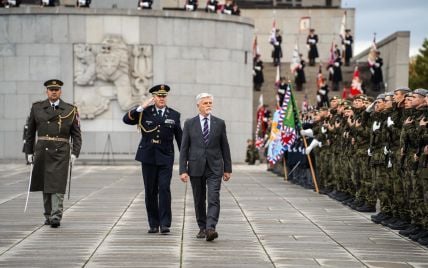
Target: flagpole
<point>314,179</point>
<point>285,169</point>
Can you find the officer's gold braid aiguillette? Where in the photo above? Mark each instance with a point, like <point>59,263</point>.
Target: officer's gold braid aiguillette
<point>73,112</point>
<point>142,127</point>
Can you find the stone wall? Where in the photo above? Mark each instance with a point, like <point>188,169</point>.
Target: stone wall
<point>394,50</point>
<point>192,52</point>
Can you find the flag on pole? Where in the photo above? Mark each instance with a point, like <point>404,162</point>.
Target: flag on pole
<point>288,119</point>
<point>272,38</point>
<point>356,83</point>
<point>372,54</point>
<point>305,24</point>
<point>260,132</point>
<point>255,47</point>
<point>320,78</point>
<point>295,60</point>
<point>305,104</point>
<point>283,131</point>
<point>332,57</point>
<point>343,26</point>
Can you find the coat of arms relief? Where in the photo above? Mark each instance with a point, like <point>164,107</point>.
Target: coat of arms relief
<point>110,71</point>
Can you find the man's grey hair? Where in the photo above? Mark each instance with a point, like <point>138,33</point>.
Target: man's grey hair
<point>202,96</point>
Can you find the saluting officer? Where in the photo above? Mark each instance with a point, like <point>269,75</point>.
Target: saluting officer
<point>57,126</point>
<point>159,125</point>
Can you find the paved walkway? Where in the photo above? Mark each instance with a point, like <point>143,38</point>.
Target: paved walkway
<point>264,222</point>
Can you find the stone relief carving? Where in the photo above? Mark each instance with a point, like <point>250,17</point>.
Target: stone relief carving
<point>110,71</point>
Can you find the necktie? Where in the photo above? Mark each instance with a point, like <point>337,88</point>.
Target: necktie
<point>53,106</point>
<point>160,113</point>
<point>205,131</point>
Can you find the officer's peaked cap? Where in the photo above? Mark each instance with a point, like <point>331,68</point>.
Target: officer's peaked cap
<point>160,90</point>
<point>53,83</point>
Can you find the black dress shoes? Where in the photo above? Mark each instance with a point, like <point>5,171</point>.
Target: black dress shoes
<point>47,222</point>
<point>211,234</point>
<point>164,230</point>
<point>55,223</point>
<point>201,234</point>
<point>153,230</point>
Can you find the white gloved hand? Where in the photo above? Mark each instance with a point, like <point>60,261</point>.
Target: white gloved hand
<point>336,64</point>
<point>369,109</point>
<point>323,130</point>
<point>389,164</point>
<point>30,158</point>
<point>313,144</point>
<point>258,68</point>
<point>385,150</point>
<point>389,122</point>
<point>72,159</point>
<point>307,132</point>
<point>376,126</point>
<point>319,144</point>
<point>322,91</point>
<point>369,153</point>
<point>372,70</point>
<point>377,64</point>
<point>318,98</point>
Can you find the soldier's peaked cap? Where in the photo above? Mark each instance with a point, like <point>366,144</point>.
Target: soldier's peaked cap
<point>53,83</point>
<point>421,91</point>
<point>403,89</point>
<point>160,90</point>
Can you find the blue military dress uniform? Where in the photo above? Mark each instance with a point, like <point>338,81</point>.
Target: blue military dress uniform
<point>156,154</point>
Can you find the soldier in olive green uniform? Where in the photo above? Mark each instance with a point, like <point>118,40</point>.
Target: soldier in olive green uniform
<point>401,215</point>
<point>56,124</point>
<point>409,143</point>
<point>421,156</point>
<point>361,131</point>
<point>329,125</point>
<point>378,160</point>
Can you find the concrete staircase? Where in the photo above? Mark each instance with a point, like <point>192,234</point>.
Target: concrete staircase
<point>310,88</point>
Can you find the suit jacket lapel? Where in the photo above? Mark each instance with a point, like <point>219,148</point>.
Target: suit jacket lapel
<point>197,126</point>
<point>213,127</point>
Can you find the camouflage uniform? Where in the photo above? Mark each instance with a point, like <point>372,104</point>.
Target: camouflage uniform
<point>409,144</point>
<point>379,161</point>
<point>398,205</point>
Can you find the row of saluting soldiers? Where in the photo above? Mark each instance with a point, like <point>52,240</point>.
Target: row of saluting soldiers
<point>368,150</point>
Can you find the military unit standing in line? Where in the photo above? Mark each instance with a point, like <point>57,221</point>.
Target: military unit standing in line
<point>368,150</point>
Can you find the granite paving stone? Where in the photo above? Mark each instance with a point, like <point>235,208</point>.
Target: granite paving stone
<point>264,222</point>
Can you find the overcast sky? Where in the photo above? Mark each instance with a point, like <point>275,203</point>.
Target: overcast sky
<point>385,17</point>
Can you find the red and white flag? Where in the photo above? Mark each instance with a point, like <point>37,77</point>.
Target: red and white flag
<point>356,83</point>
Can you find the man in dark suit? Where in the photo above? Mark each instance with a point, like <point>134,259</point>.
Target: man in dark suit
<point>205,157</point>
<point>159,125</point>
<point>58,143</point>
